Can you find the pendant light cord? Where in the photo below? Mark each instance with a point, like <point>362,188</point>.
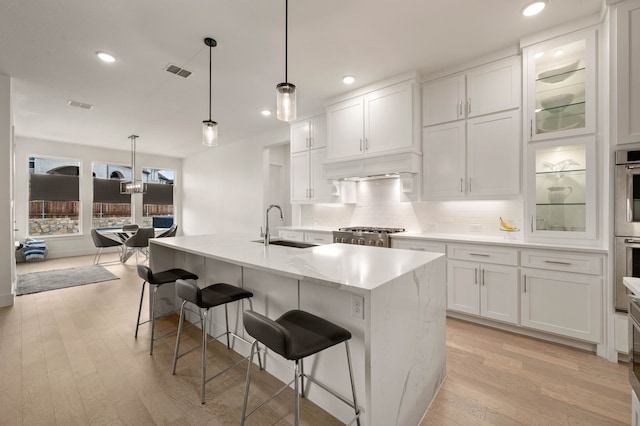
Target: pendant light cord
<point>286,40</point>
<point>209,83</point>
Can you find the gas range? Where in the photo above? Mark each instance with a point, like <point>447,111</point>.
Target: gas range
<point>365,235</point>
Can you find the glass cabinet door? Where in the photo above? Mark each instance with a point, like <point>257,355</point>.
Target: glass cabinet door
<point>562,190</point>
<point>561,85</point>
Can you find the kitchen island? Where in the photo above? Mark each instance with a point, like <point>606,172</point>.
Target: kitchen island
<point>392,301</point>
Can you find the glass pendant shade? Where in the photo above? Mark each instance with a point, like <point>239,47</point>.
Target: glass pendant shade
<point>209,133</point>
<point>286,102</point>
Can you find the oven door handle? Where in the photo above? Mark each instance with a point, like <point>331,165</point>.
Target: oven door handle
<point>632,240</point>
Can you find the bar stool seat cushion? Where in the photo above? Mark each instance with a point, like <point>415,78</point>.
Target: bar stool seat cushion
<point>296,334</point>
<point>213,295</point>
<point>164,277</point>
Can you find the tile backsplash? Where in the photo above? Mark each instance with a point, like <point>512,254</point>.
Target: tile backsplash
<point>380,203</point>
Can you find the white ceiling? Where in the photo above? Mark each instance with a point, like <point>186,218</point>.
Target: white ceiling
<point>48,48</point>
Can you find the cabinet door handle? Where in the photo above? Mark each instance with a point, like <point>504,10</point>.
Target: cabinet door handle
<point>531,129</point>
<point>468,106</point>
<point>475,276</point>
<point>317,239</point>
<point>531,223</point>
<point>460,108</point>
<point>555,262</point>
<point>306,142</point>
<point>461,183</point>
<point>366,144</point>
<point>310,142</point>
<point>480,254</point>
<point>483,277</point>
<point>525,282</point>
<point>360,145</point>
<point>417,248</point>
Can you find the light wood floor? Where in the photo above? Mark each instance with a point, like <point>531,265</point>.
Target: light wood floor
<point>69,357</point>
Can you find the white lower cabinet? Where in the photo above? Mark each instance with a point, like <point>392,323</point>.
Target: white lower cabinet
<point>483,280</point>
<point>564,303</point>
<point>483,289</point>
<point>318,237</point>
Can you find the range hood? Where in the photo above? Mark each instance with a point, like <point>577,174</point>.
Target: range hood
<point>372,167</point>
<point>405,166</point>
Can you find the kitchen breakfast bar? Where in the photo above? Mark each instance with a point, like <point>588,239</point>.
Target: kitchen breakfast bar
<point>392,301</point>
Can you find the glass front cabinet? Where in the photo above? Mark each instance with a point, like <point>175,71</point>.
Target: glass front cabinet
<point>561,188</point>
<point>560,87</point>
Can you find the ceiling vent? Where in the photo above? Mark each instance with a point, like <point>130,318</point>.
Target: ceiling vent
<point>80,105</point>
<point>174,69</point>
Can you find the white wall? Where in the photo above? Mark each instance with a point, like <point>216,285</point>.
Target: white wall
<point>74,245</point>
<point>7,255</point>
<point>223,187</point>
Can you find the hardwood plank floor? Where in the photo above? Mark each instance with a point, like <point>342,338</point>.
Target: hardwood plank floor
<point>68,357</point>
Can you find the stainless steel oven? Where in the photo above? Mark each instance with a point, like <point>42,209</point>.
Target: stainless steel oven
<point>634,343</point>
<point>627,222</point>
<point>627,193</point>
<point>365,235</point>
<point>627,264</point>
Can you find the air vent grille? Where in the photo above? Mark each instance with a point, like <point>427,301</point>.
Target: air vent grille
<point>80,105</point>
<point>174,69</point>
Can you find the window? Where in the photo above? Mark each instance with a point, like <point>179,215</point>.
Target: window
<point>157,208</point>
<point>110,207</point>
<point>54,190</point>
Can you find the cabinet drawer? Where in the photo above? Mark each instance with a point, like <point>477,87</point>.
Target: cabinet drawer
<point>421,245</point>
<point>485,254</point>
<point>563,261</point>
<point>292,235</point>
<point>318,237</point>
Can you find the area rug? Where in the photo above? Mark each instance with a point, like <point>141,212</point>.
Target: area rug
<point>36,282</point>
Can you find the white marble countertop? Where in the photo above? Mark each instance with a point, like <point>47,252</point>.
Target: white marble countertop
<point>350,267</point>
<point>633,284</point>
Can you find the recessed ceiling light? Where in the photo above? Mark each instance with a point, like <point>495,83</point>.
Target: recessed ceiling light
<point>105,57</point>
<point>265,112</point>
<point>534,8</point>
<point>348,79</point>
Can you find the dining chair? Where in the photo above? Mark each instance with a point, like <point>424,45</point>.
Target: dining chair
<point>101,242</point>
<point>171,232</point>
<point>139,242</point>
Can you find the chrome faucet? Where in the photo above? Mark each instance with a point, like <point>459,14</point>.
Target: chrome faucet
<point>265,234</point>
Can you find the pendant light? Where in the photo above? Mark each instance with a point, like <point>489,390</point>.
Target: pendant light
<point>286,92</point>
<point>210,127</point>
<point>134,186</point>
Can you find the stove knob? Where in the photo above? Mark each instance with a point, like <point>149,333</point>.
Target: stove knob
<point>380,243</point>
<point>354,241</point>
<point>372,243</point>
<point>337,240</point>
<point>343,240</point>
<point>361,241</point>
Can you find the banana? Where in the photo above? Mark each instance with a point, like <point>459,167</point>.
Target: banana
<point>504,225</point>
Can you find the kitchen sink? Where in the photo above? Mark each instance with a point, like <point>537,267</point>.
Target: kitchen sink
<point>286,243</point>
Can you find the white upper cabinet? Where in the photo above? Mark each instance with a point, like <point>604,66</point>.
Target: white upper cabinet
<point>483,90</point>
<point>442,100</point>
<point>309,134</point>
<point>444,154</point>
<point>493,154</point>
<point>308,153</point>
<point>377,123</point>
<point>479,157</point>
<point>627,77</point>
<point>560,86</point>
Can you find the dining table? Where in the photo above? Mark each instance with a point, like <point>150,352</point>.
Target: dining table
<point>118,234</point>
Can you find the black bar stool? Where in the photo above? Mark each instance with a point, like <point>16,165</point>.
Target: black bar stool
<point>158,279</point>
<point>296,335</point>
<point>205,299</point>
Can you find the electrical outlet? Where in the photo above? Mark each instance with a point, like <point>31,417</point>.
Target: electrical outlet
<point>357,306</point>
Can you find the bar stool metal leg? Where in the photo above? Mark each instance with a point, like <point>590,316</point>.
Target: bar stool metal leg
<point>140,307</point>
<point>296,396</point>
<point>254,345</point>
<point>353,385</point>
<point>175,354</point>
<point>153,318</point>
<point>204,354</point>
